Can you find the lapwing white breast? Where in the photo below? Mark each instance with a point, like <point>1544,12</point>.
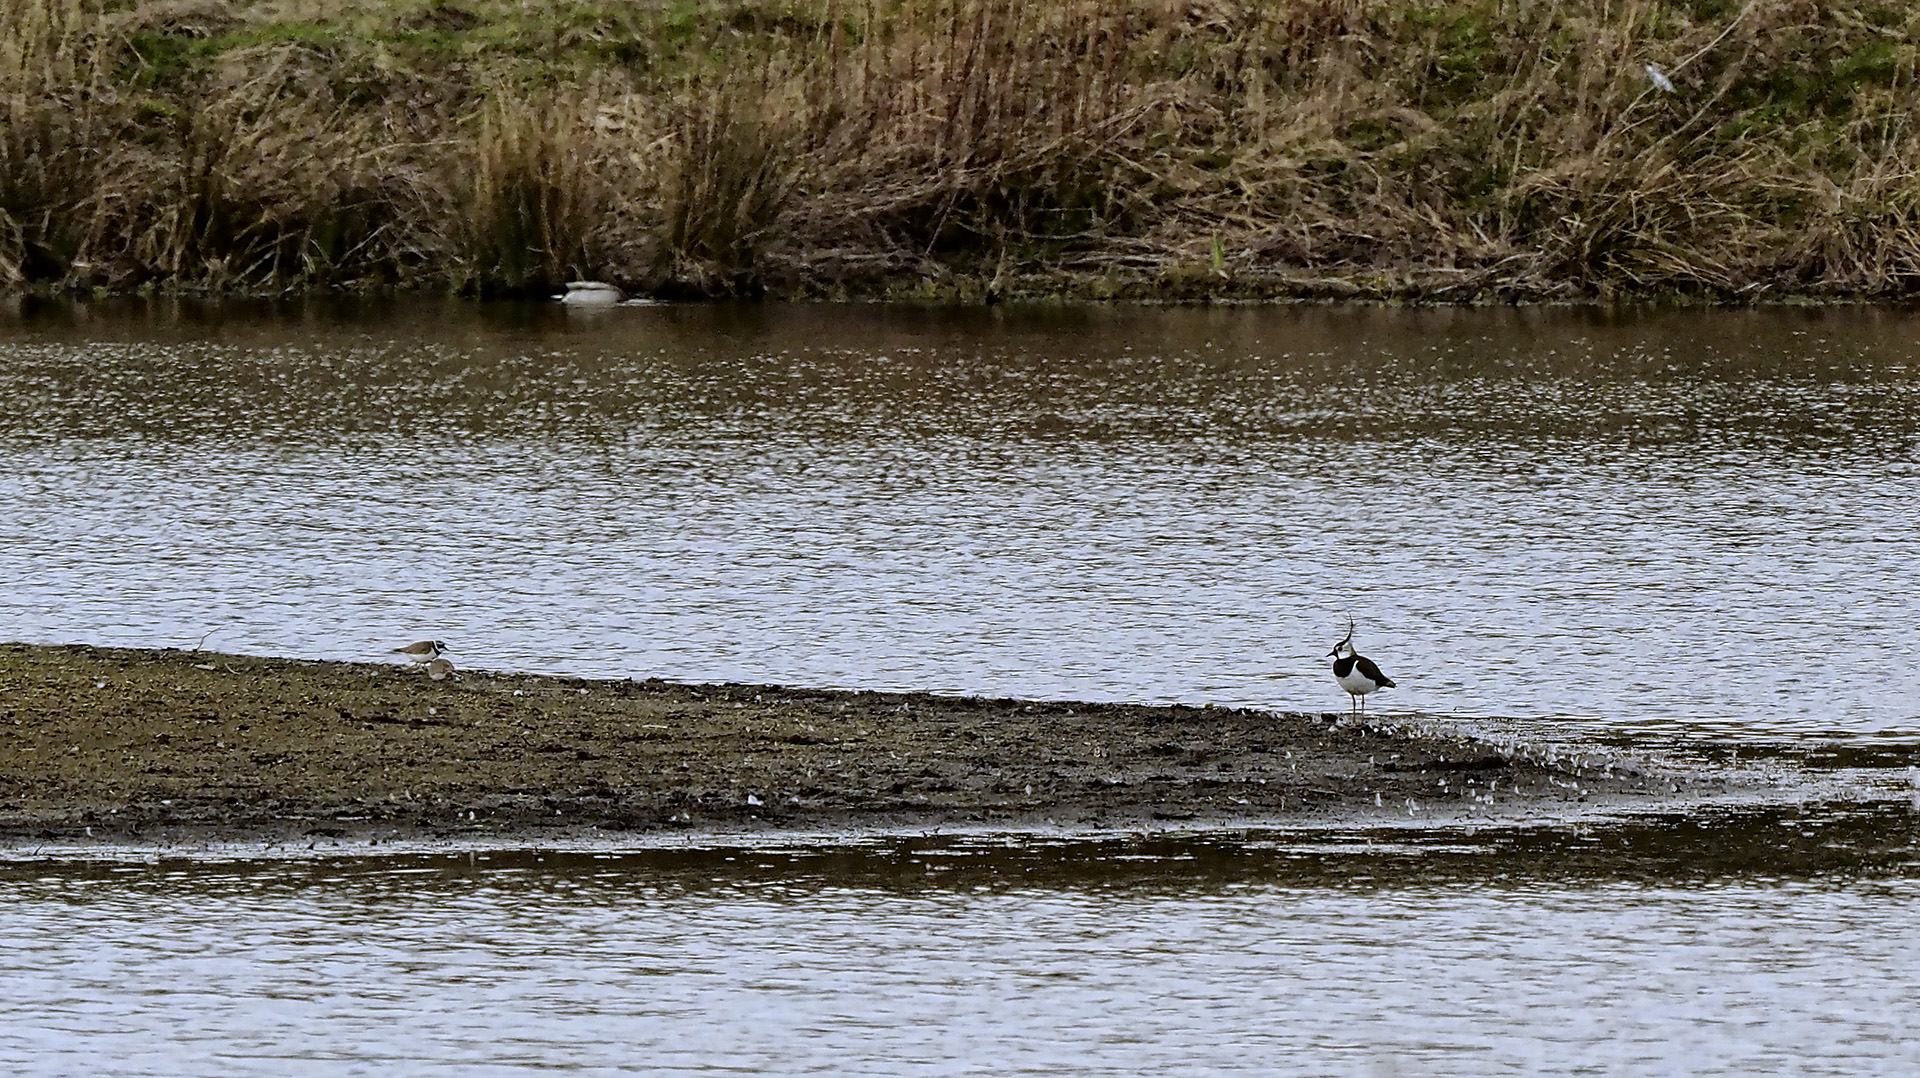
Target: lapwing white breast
<point>1356,673</point>
<point>423,652</point>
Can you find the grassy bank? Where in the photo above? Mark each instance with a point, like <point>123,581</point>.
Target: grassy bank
<point>964,149</point>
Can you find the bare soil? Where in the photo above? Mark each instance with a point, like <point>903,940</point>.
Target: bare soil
<point>174,746</point>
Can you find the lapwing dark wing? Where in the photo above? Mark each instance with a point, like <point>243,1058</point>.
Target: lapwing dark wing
<point>1356,673</point>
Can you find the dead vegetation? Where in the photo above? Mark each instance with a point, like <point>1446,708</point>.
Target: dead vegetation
<point>965,149</point>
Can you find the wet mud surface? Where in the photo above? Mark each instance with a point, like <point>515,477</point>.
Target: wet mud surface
<point>182,746</point>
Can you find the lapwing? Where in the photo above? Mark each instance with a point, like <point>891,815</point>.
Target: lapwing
<point>1356,673</point>
<point>423,652</point>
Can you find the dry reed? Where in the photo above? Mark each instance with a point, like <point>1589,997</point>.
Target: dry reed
<point>56,125</point>
<point>968,148</point>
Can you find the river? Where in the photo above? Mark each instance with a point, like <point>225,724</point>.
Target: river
<point>1679,530</point>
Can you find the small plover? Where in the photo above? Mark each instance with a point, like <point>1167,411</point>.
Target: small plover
<point>440,669</point>
<point>1356,673</point>
<point>423,652</point>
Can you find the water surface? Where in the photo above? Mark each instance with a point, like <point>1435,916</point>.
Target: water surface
<point>1612,525</point>
<point>1768,940</point>
<point>1683,527</point>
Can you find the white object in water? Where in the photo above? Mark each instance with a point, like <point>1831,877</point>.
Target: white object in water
<point>1659,77</point>
<point>590,294</point>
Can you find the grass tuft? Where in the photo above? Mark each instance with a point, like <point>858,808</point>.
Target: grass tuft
<point>732,177</point>
<point>58,117</point>
<point>972,148</point>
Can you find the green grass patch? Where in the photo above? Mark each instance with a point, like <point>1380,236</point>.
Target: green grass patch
<point>1878,62</point>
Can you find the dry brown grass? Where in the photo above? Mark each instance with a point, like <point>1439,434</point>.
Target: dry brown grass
<point>274,180</point>
<point>1502,148</point>
<point>56,128</point>
<point>531,194</point>
<point>730,180</point>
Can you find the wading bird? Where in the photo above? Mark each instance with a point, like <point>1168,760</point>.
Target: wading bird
<point>423,652</point>
<point>1356,673</point>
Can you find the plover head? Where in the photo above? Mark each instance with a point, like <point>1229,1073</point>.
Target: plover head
<point>424,651</point>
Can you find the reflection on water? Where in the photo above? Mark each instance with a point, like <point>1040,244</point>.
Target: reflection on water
<point>1623,526</point>
<point>1644,947</point>
<point>1616,525</point>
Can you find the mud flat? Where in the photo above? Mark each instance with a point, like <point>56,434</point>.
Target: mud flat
<point>171,746</point>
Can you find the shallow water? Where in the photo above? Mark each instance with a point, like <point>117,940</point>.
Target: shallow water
<point>1625,526</point>
<point>1749,941</point>
<point>1681,528</point>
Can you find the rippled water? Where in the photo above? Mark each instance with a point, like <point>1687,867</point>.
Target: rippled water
<point>1620,525</point>
<point>1767,941</point>
<point>1637,527</point>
